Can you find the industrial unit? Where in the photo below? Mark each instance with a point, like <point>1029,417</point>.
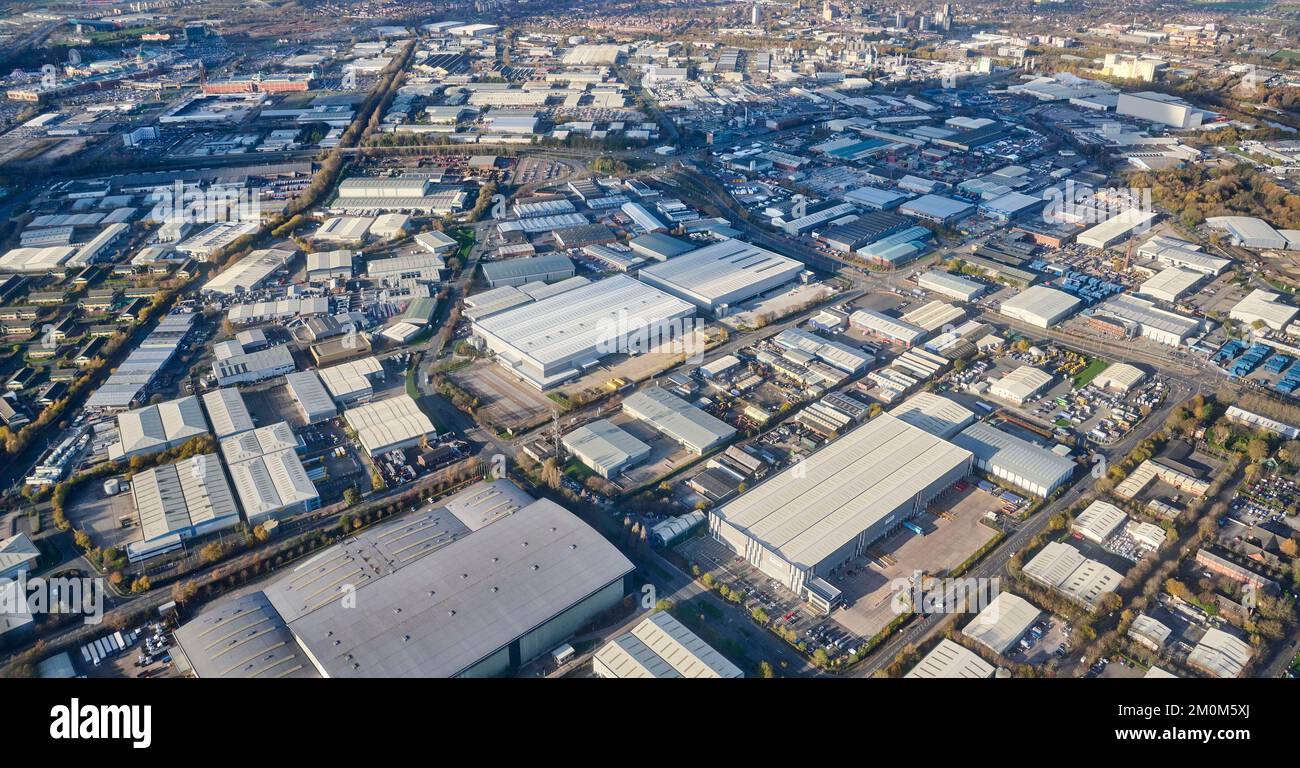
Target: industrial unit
<point>605,448</point>
<point>155,428</point>
<point>1040,306</point>
<point>692,428</point>
<point>950,285</point>
<point>178,501</point>
<point>468,603</point>
<point>390,424</point>
<point>660,647</point>
<point>1015,460</point>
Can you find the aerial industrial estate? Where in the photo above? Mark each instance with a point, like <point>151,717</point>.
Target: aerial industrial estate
<point>718,340</point>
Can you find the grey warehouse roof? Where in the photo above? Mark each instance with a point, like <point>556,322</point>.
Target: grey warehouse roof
<point>677,418</point>
<point>243,638</point>
<point>843,489</point>
<point>1031,461</point>
<point>427,611</point>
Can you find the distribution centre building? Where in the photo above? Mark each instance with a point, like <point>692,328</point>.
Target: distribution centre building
<point>434,598</point>
<point>806,522</point>
<point>389,424</point>
<point>722,274</point>
<point>553,340</point>
<point>1003,622</point>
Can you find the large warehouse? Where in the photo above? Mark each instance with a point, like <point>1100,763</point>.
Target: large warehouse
<point>605,448</point>
<point>661,646</point>
<point>433,598</point>
<point>488,601</point>
<point>722,274</point>
<point>1040,306</point>
<point>1015,460</point>
<point>1021,384</point>
<point>389,424</point>
<point>692,428</point>
<point>550,341</point>
<point>802,524</point>
<point>1061,567</point>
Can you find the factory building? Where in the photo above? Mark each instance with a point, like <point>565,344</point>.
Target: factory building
<point>553,340</point>
<point>390,424</point>
<point>267,473</point>
<point>249,273</point>
<point>349,382</point>
<point>1119,377</point>
<point>155,428</point>
<point>1264,307</point>
<point>1115,229</point>
<point>937,209</point>
<point>1220,654</point>
<point>1143,318</point>
<point>692,428</point>
<point>254,366</point>
<point>888,328</point>
<point>227,412</point>
<point>806,522</point>
<point>1170,284</point>
<point>472,601</point>
<point>179,501</point>
<point>1061,567</point>
<point>1250,232</point>
<point>661,647</point>
<point>1020,385</point>
<point>1160,108</point>
<point>722,275</point>
<point>309,395</point>
<point>1180,253</point>
<point>950,285</point>
<point>937,415</point>
<point>1003,622</point>
<point>1099,521</point>
<point>605,448</point>
<point>515,272</point>
<point>950,660</point>
<point>1040,306</point>
<point>1015,460</point>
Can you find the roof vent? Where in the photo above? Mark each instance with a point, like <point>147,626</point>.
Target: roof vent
<point>536,566</point>
<point>495,590</point>
<point>451,612</point>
